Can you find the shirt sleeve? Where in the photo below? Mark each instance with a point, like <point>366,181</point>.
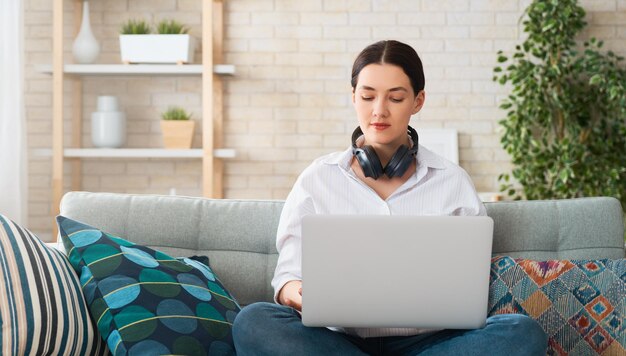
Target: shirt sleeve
<point>289,237</point>
<point>470,203</point>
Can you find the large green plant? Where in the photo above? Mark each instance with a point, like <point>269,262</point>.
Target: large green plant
<point>565,128</point>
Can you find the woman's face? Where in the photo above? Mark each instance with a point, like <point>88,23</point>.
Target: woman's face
<point>384,102</point>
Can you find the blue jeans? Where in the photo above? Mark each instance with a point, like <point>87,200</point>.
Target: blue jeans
<point>272,329</point>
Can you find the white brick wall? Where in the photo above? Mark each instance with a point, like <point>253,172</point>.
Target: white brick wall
<point>290,99</point>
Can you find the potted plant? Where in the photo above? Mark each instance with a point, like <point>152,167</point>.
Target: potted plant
<point>565,127</point>
<point>171,44</point>
<point>177,128</point>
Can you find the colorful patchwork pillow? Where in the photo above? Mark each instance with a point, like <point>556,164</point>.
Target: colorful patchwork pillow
<point>581,304</point>
<point>42,309</point>
<point>147,302</point>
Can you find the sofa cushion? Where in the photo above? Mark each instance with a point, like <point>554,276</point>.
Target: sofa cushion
<point>146,301</point>
<point>42,309</point>
<point>581,304</point>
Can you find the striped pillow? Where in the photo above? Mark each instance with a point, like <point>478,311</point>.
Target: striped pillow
<point>42,308</point>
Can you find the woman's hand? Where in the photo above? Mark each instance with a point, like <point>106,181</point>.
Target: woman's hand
<point>291,295</point>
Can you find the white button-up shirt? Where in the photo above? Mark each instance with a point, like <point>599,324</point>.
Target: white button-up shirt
<point>330,186</point>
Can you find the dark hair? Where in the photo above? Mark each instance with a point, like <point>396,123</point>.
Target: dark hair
<point>391,52</point>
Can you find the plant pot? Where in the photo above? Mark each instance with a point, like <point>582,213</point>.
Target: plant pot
<point>157,48</point>
<point>177,133</point>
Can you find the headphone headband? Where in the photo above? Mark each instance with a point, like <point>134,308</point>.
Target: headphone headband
<point>411,131</point>
<point>397,165</point>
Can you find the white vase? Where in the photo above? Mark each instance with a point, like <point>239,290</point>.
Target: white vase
<point>108,125</point>
<point>85,48</point>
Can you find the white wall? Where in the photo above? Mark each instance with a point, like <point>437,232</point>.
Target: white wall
<point>289,101</point>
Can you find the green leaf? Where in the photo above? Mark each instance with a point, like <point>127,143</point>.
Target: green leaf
<point>563,176</point>
<point>595,80</point>
<point>551,24</point>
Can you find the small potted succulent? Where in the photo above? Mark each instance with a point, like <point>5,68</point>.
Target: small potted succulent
<point>177,128</point>
<point>171,44</point>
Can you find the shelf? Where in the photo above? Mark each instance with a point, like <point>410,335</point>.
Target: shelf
<point>137,69</point>
<point>210,72</point>
<point>136,153</point>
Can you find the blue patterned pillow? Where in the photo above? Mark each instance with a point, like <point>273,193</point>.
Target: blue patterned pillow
<point>42,309</point>
<point>146,301</point>
<point>581,304</point>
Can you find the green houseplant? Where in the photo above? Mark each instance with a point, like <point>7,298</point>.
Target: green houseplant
<point>565,128</point>
<point>177,128</point>
<point>135,27</point>
<point>171,44</point>
<point>171,27</point>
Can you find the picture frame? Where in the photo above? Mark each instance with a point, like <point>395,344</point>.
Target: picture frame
<point>443,142</point>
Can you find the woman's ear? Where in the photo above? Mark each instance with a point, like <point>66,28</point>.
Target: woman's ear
<point>419,101</point>
<point>353,96</point>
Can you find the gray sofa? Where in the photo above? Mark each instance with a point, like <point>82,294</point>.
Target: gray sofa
<point>238,236</point>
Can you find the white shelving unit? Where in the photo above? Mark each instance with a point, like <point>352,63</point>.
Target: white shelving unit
<point>211,71</point>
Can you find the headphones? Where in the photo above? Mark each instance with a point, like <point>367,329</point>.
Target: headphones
<point>398,164</point>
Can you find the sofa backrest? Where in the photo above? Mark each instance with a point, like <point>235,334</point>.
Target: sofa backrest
<point>239,236</point>
<point>582,228</point>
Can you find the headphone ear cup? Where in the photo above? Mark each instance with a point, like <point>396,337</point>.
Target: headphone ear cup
<point>369,162</point>
<point>399,162</point>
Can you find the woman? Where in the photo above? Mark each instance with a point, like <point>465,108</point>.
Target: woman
<point>384,172</point>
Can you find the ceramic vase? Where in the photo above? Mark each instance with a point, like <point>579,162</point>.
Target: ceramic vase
<point>85,48</point>
<point>108,125</point>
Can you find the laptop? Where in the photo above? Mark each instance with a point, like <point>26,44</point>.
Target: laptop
<point>396,271</point>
